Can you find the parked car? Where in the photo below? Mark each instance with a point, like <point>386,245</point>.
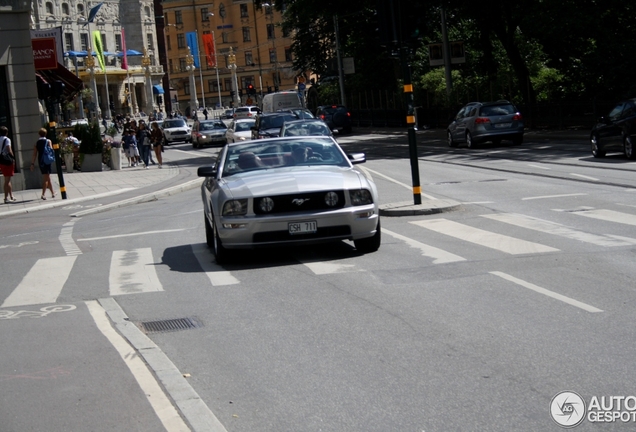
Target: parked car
<point>240,130</point>
<point>616,131</point>
<point>311,127</point>
<point>176,130</point>
<point>302,113</point>
<point>228,114</point>
<point>246,112</point>
<point>288,191</point>
<point>268,124</point>
<point>273,102</point>
<point>479,122</point>
<point>208,132</point>
<point>337,117</point>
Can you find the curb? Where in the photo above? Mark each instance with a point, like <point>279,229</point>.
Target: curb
<point>427,207</point>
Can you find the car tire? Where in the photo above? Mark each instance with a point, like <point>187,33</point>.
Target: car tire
<point>628,148</point>
<point>597,150</point>
<point>469,141</point>
<point>209,233</point>
<point>518,140</point>
<point>370,244</point>
<point>220,252</point>
<point>451,141</point>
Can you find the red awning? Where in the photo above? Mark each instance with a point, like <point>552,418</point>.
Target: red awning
<point>72,84</point>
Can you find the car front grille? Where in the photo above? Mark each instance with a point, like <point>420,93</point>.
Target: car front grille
<point>177,133</point>
<point>282,236</point>
<point>314,201</point>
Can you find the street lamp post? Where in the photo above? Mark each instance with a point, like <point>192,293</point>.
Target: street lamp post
<point>193,94</point>
<point>146,63</point>
<point>90,67</point>
<point>216,66</point>
<point>232,66</point>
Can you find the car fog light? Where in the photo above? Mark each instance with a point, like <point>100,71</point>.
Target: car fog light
<point>266,204</point>
<point>365,215</point>
<point>360,197</point>
<point>331,199</point>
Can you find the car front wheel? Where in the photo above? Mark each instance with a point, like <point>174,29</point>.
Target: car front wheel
<point>628,148</point>
<point>451,141</point>
<point>597,150</point>
<point>220,252</point>
<point>370,244</point>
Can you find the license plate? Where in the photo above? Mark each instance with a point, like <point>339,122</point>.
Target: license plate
<point>306,227</point>
<point>503,125</point>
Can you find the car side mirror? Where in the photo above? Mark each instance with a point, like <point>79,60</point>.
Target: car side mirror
<point>604,120</point>
<point>207,171</point>
<point>357,158</point>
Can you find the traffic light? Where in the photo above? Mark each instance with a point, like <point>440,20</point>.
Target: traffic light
<point>44,90</point>
<point>58,89</point>
<point>240,92</point>
<point>276,88</point>
<point>159,99</point>
<point>112,106</point>
<point>232,93</point>
<point>269,89</point>
<point>251,90</point>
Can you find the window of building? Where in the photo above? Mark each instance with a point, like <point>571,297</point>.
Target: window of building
<point>147,11</point>
<point>182,64</point>
<point>204,15</point>
<point>246,80</point>
<point>228,84</point>
<point>246,34</point>
<point>180,40</point>
<point>118,42</point>
<point>244,12</point>
<point>104,46</point>
<point>272,55</point>
<point>213,86</point>
<point>65,9</point>
<point>84,41</point>
<point>270,31</point>
<point>249,60</point>
<point>49,8</point>
<point>178,18</point>
<point>225,37</point>
<point>149,41</point>
<point>68,41</point>
<point>170,66</point>
<point>80,9</point>
<point>168,45</point>
<point>288,54</point>
<point>286,32</point>
<point>186,88</point>
<point>166,21</point>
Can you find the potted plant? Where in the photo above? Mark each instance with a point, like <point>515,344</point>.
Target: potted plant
<point>91,148</point>
<point>67,153</point>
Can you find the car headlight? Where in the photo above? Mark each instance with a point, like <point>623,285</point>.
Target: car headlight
<point>235,207</point>
<point>266,204</point>
<point>242,138</point>
<point>360,197</point>
<point>203,136</point>
<point>331,199</point>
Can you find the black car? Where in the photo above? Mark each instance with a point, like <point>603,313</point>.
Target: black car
<point>268,124</point>
<point>337,117</point>
<point>616,131</point>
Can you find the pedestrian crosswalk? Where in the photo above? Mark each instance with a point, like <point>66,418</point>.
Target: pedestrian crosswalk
<point>437,240</point>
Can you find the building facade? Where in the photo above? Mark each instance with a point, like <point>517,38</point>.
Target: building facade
<point>119,22</point>
<point>251,49</point>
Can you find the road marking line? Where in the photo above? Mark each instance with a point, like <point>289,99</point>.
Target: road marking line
<point>548,227</point>
<point>552,196</point>
<point>584,176</point>
<point>160,403</point>
<point>43,283</point>
<point>66,238</point>
<point>546,292</point>
<point>543,147</point>
<point>610,216</point>
<point>479,202</point>
<point>322,268</point>
<point>538,166</point>
<point>500,242</point>
<point>133,272</point>
<point>440,256</point>
<point>409,187</point>
<point>214,272</point>
<point>132,234</point>
<point>193,152</point>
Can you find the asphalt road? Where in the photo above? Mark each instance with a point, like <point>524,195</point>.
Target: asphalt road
<point>468,320</point>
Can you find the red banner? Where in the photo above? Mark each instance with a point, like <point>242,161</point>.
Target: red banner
<point>124,61</point>
<point>44,53</point>
<point>208,44</point>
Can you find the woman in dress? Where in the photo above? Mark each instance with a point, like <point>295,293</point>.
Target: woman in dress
<point>7,170</point>
<point>157,141</point>
<point>45,169</point>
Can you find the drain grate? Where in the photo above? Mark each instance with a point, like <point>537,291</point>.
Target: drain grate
<point>170,325</point>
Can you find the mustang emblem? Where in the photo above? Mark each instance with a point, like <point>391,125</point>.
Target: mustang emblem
<point>300,201</point>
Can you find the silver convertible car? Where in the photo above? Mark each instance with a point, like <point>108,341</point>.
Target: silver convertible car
<point>288,191</point>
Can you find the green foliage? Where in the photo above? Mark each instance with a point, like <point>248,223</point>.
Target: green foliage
<point>92,140</point>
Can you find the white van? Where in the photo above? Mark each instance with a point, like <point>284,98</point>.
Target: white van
<point>281,100</point>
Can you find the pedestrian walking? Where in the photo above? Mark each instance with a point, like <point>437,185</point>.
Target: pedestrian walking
<point>45,169</point>
<point>7,164</point>
<point>205,113</point>
<point>157,141</point>
<point>144,142</point>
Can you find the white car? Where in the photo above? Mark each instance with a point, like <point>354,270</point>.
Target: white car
<point>246,112</point>
<point>176,130</point>
<point>240,130</point>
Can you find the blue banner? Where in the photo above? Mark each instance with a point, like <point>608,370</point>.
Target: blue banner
<point>193,44</point>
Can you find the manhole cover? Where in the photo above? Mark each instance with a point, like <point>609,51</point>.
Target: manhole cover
<point>170,325</point>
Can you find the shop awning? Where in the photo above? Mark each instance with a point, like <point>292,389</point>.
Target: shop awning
<point>72,84</point>
<point>157,89</point>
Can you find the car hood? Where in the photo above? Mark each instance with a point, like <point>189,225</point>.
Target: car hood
<point>282,181</point>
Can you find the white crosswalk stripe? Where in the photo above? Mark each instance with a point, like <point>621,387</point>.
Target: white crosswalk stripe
<point>133,272</point>
<point>609,215</point>
<point>43,283</point>
<point>440,256</point>
<point>213,271</point>
<point>489,239</point>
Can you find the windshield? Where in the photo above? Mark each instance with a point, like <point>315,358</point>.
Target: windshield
<point>494,110</point>
<point>212,126</point>
<point>266,154</point>
<point>276,122</point>
<point>173,123</point>
<point>307,128</point>
<point>243,126</point>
